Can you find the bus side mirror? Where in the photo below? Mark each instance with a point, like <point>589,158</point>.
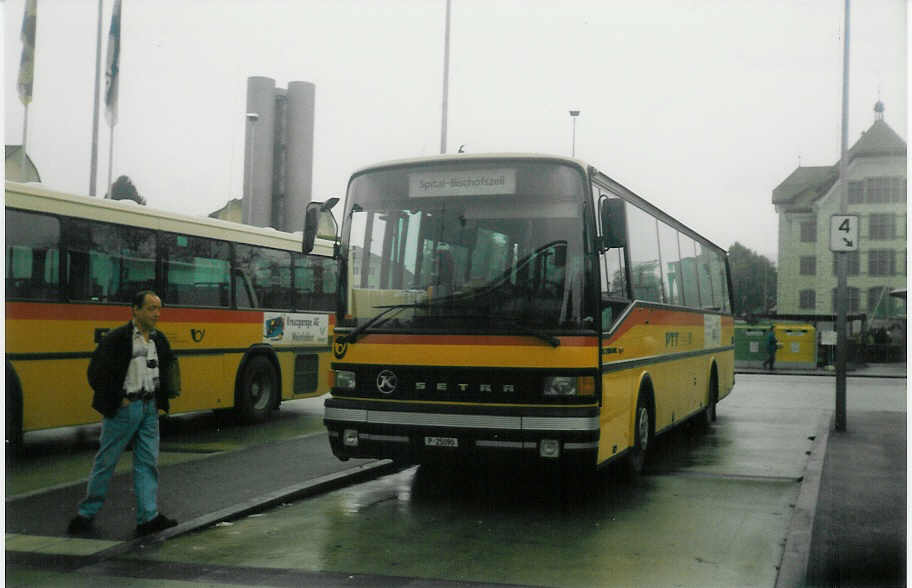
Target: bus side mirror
<point>614,222</point>
<point>319,222</point>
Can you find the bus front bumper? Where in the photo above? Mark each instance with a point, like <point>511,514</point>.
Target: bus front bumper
<point>418,432</point>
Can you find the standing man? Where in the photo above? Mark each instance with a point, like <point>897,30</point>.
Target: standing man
<point>771,345</point>
<point>133,373</point>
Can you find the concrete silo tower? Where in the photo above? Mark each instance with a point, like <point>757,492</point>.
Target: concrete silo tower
<point>278,170</point>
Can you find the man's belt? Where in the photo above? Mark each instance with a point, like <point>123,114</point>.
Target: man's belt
<point>141,395</point>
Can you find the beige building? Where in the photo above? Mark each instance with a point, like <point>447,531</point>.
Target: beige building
<point>807,199</point>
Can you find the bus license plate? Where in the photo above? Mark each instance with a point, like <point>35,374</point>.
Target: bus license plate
<point>441,441</point>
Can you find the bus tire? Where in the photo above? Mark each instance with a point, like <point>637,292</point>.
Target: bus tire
<point>709,413</point>
<point>13,410</point>
<point>643,428</point>
<point>259,390</point>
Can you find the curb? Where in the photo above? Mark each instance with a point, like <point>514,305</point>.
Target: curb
<point>793,566</point>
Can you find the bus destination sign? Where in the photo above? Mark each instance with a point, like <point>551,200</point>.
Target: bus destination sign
<point>487,182</point>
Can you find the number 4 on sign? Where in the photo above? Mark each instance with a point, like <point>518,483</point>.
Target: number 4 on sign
<point>843,232</point>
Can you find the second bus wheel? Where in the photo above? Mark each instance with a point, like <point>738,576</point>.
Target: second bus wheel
<point>259,390</point>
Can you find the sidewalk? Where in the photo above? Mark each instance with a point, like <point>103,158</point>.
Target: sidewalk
<point>849,524</point>
<point>859,529</point>
<point>197,493</point>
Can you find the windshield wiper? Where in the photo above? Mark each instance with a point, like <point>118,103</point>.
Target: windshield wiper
<point>549,339</point>
<point>351,337</point>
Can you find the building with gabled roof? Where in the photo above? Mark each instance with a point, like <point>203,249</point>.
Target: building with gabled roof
<point>809,196</point>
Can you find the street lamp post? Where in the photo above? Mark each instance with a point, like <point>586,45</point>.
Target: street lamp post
<point>252,118</point>
<point>573,115</point>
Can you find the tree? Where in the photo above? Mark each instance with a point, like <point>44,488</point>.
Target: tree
<point>753,281</point>
<point>123,189</point>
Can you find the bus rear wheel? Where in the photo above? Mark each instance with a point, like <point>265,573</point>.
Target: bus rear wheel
<point>709,414</point>
<point>13,411</point>
<point>259,390</point>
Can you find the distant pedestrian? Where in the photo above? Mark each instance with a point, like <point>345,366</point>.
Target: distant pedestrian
<point>133,373</point>
<point>771,345</point>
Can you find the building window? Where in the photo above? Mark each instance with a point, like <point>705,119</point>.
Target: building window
<point>854,263</point>
<point>808,265</point>
<point>854,300</point>
<point>856,192</point>
<point>881,262</point>
<point>884,190</point>
<point>882,227</point>
<point>898,189</point>
<point>809,231</point>
<point>807,299</point>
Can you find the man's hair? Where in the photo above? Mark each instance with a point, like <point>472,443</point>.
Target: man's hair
<point>140,297</point>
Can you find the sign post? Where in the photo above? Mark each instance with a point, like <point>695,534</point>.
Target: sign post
<point>846,235</point>
<point>843,239</point>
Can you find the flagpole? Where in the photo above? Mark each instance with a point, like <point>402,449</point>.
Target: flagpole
<point>93,166</point>
<point>446,80</point>
<point>23,166</point>
<point>110,161</point>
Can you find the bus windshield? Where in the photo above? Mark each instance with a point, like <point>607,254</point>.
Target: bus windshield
<point>469,246</point>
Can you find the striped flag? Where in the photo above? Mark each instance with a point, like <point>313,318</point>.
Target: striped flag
<point>112,73</point>
<point>27,62</point>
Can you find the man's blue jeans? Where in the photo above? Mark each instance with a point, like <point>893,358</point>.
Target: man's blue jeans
<point>137,421</point>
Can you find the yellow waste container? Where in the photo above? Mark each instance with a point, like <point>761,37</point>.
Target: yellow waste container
<point>797,346</point>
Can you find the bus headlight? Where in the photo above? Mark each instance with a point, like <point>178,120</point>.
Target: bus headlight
<point>345,380</point>
<point>561,386</point>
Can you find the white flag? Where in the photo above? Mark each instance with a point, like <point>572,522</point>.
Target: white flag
<point>27,62</point>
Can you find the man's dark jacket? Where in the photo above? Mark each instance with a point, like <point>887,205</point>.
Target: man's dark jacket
<point>108,370</point>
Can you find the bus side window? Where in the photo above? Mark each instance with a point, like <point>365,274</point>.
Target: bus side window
<point>108,263</point>
<point>268,271</point>
<point>196,271</point>
<point>314,282</point>
<point>690,284</point>
<point>244,295</point>
<point>32,256</point>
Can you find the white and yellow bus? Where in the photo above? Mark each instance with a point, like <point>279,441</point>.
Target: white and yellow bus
<point>525,305</point>
<point>247,313</point>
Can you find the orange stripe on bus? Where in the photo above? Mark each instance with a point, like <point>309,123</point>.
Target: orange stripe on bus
<point>660,318</point>
<point>512,340</point>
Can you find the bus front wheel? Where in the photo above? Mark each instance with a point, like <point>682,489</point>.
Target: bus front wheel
<point>259,390</point>
<point>642,437</point>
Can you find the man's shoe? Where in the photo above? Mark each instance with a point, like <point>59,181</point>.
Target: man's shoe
<point>159,523</point>
<point>80,525</point>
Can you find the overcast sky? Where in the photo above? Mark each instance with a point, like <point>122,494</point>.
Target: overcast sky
<point>701,106</point>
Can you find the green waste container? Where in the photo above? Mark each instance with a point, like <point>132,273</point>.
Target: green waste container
<point>750,345</point>
<point>797,346</point>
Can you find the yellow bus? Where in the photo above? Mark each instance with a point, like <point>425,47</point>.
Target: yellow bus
<point>247,313</point>
<point>523,305</point>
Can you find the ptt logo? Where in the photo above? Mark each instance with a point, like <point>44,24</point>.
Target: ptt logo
<point>275,327</point>
<point>340,346</point>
